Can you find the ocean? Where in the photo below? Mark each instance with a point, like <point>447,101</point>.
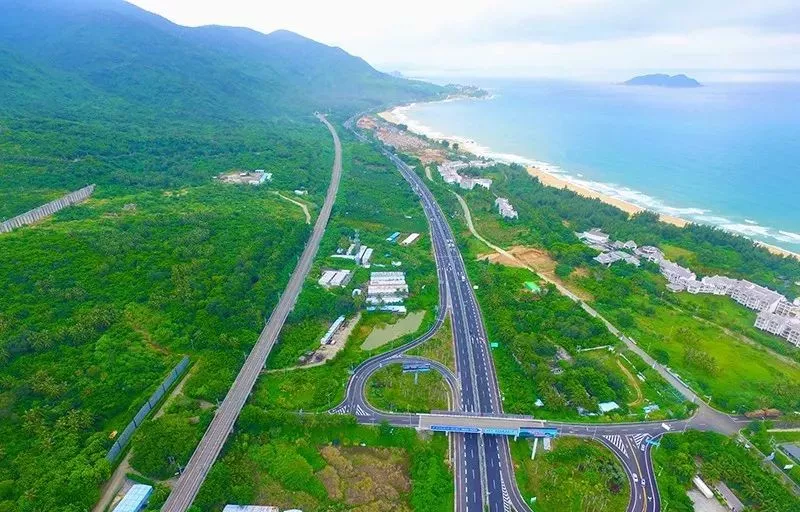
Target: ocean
<point>723,154</point>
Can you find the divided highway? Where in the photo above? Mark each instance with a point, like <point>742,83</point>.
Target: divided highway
<point>214,438</point>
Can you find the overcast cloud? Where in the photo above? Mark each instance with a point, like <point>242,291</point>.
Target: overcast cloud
<point>593,39</point>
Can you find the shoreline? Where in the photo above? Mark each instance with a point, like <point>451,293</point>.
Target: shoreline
<point>552,180</point>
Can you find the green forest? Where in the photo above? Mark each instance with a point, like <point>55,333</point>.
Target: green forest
<point>715,457</point>
<point>709,341</point>
<point>104,298</point>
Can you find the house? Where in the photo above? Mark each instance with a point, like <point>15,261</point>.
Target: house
<point>607,258</point>
<point>675,273</point>
<point>650,253</point>
<point>606,407</point>
<point>594,236</point>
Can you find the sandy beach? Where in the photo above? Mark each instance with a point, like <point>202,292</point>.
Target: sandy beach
<point>395,116</point>
<point>554,181</point>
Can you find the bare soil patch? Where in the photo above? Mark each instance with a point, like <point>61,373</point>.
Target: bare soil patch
<point>369,479</point>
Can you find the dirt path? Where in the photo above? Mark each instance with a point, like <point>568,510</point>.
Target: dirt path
<point>113,485</point>
<point>509,258</point>
<point>428,173</point>
<point>175,392</point>
<point>298,203</point>
<point>327,352</point>
<point>639,396</point>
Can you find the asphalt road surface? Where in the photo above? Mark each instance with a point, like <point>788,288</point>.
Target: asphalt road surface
<point>188,485</point>
<point>483,467</point>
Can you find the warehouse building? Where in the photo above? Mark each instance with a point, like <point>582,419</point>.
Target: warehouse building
<point>135,499</point>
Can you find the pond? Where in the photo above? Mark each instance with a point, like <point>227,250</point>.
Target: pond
<point>389,332</point>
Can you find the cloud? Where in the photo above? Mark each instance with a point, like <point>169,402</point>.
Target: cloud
<point>572,38</point>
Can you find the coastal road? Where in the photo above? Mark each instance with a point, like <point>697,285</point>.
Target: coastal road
<point>188,485</point>
<point>483,467</point>
<point>484,473</point>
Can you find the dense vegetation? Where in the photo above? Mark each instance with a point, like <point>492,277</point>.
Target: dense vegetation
<point>541,354</point>
<point>578,475</point>
<point>104,298</point>
<point>715,457</point>
<point>284,459</point>
<point>709,341</point>
<point>372,199</point>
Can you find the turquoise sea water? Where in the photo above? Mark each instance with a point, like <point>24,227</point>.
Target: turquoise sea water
<point>723,154</point>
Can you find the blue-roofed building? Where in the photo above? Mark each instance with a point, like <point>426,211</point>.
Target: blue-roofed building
<point>135,499</point>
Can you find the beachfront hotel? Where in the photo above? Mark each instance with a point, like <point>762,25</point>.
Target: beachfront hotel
<point>776,314</point>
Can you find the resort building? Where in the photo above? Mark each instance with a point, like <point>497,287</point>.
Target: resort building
<point>594,236</point>
<point>776,315</point>
<point>608,258</point>
<point>755,297</point>
<point>650,253</point>
<point>505,208</point>
<point>675,273</point>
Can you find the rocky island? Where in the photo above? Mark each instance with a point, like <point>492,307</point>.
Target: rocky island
<point>664,80</point>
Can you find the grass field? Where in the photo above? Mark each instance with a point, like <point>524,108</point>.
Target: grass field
<point>439,347</point>
<point>390,389</point>
<point>736,375</point>
<point>730,315</point>
<point>577,476</point>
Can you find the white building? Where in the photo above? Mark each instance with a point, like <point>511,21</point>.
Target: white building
<point>594,236</point>
<point>650,253</point>
<point>331,278</point>
<point>755,297</point>
<point>410,239</point>
<point>676,273</point>
<point>505,208</point>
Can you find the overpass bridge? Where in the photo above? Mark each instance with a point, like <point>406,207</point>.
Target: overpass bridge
<point>505,425</point>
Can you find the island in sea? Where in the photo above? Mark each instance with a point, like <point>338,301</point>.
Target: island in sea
<point>664,80</point>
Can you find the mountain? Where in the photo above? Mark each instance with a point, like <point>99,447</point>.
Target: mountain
<point>77,53</point>
<point>663,80</point>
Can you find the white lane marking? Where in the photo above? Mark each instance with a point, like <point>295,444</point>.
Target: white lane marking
<point>616,440</point>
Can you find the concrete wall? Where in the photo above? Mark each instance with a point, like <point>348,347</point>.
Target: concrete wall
<point>124,438</point>
<point>46,210</point>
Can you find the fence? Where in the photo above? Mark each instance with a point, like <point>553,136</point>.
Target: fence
<point>125,437</point>
<point>46,210</point>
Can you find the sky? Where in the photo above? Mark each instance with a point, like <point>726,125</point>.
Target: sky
<point>582,39</point>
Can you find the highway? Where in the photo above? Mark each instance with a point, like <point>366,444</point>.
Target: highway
<point>188,484</point>
<point>483,469</point>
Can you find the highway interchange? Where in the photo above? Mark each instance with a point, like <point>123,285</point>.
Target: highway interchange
<point>482,465</point>
<point>483,470</point>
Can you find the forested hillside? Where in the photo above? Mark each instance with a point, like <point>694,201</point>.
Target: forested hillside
<point>101,300</point>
